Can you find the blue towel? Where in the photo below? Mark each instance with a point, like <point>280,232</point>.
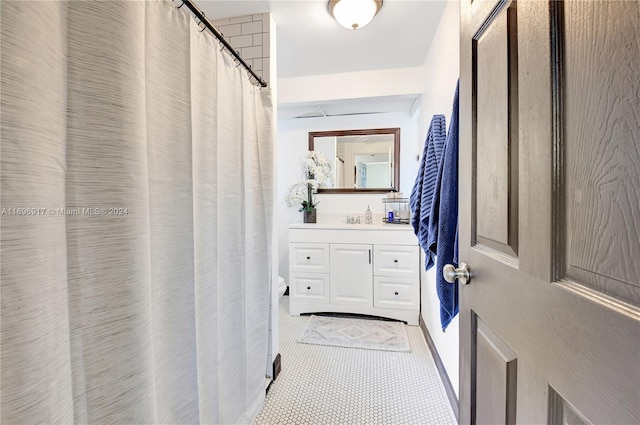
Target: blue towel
<point>443,223</point>
<point>424,186</point>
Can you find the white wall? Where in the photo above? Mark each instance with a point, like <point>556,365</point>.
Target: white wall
<point>350,85</point>
<point>441,67</point>
<point>293,144</point>
<point>441,70</point>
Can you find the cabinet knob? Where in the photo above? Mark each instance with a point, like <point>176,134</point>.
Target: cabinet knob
<point>308,258</point>
<point>395,261</point>
<point>309,287</point>
<point>396,293</point>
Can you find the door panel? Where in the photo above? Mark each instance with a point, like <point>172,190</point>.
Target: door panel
<point>562,412</point>
<point>601,182</point>
<point>495,376</point>
<point>492,114</point>
<point>495,132</point>
<point>552,335</point>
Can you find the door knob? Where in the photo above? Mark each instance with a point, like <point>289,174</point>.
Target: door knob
<point>462,273</point>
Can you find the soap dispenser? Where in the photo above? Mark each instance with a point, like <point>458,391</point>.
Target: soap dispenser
<point>367,216</point>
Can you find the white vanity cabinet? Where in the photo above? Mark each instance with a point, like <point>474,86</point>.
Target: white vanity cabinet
<point>396,271</point>
<point>309,271</point>
<point>364,269</point>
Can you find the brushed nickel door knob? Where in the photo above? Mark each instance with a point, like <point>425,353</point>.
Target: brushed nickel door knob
<point>462,273</point>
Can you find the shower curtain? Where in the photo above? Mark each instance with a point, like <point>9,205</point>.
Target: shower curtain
<point>136,196</point>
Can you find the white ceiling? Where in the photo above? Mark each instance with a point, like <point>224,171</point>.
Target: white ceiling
<point>310,41</point>
<point>370,105</point>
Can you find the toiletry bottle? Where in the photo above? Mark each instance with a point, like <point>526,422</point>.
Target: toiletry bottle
<point>368,216</point>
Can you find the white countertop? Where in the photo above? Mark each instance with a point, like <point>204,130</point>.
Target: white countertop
<point>379,233</point>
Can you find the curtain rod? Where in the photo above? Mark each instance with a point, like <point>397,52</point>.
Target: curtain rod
<point>200,15</point>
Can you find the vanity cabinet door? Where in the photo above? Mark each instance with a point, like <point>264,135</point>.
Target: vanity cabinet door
<point>351,275</point>
<point>396,260</point>
<point>313,287</point>
<point>309,257</point>
<point>396,292</point>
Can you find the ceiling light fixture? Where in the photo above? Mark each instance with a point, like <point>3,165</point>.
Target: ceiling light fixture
<point>354,14</point>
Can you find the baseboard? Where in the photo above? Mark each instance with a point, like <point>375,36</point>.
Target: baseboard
<point>448,388</point>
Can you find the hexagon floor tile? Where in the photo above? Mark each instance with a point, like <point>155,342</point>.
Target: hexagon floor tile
<point>335,385</point>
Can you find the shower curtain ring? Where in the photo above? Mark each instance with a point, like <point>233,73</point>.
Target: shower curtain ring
<point>201,20</point>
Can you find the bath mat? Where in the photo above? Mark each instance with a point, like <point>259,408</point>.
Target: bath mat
<point>356,333</point>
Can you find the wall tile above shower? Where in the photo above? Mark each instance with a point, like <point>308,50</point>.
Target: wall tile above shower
<point>250,36</point>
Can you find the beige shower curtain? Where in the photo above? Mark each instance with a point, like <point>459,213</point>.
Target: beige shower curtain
<point>136,180</point>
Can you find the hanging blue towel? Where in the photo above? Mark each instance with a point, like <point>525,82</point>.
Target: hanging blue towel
<point>424,186</point>
<point>443,223</point>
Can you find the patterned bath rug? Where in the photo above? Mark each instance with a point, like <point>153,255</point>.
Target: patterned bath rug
<point>356,333</point>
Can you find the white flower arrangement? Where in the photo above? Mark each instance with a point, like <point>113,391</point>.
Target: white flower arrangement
<point>316,169</point>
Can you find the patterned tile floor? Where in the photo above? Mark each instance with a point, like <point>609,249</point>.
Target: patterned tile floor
<point>335,385</point>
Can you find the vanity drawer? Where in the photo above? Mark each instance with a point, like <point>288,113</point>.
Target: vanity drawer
<point>396,260</point>
<point>309,257</point>
<point>310,286</point>
<point>396,292</point>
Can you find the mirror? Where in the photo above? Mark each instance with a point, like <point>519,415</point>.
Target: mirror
<point>364,160</point>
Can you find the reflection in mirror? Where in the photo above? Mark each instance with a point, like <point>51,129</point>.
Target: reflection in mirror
<point>363,160</point>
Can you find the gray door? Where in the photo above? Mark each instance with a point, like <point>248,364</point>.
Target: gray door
<point>550,212</point>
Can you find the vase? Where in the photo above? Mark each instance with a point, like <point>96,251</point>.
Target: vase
<point>309,216</point>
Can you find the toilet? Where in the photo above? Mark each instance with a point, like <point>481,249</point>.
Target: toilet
<point>282,286</point>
